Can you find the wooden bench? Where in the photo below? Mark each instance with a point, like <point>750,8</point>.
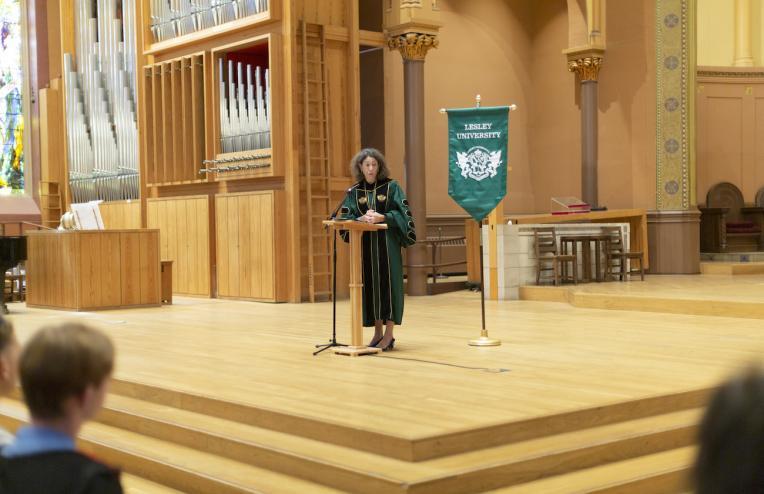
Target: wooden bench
<point>434,244</point>
<point>727,224</point>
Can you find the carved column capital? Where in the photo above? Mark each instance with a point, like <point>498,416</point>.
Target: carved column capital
<point>587,68</point>
<point>413,46</point>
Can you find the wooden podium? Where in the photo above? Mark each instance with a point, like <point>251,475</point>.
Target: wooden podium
<point>93,269</point>
<point>356,229</point>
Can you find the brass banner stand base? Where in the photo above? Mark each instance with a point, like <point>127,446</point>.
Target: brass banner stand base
<point>484,340</point>
<point>355,351</point>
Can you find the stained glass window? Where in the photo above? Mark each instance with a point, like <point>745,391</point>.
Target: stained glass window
<point>11,84</point>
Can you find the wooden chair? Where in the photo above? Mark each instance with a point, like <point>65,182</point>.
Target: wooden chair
<point>616,256</point>
<point>727,224</point>
<point>760,198</point>
<point>549,259</point>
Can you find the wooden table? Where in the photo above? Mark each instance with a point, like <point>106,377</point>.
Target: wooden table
<point>636,218</point>
<point>586,251</point>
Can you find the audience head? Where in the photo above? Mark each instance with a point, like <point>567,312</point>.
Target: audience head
<point>65,371</point>
<point>731,455</point>
<point>9,356</point>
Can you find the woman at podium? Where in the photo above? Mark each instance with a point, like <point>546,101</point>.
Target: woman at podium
<point>376,198</point>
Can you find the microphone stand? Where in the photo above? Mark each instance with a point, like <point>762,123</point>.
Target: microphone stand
<point>333,342</point>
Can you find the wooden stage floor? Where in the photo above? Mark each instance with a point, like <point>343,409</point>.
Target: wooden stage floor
<point>553,358</point>
<point>433,395</point>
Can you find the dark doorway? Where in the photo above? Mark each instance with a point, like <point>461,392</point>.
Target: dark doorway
<point>372,98</point>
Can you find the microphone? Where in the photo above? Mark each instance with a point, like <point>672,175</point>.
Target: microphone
<point>339,204</point>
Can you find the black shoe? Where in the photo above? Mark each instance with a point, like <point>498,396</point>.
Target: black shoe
<point>389,346</point>
<point>374,342</point>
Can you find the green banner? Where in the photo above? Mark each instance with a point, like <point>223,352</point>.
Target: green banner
<point>477,158</point>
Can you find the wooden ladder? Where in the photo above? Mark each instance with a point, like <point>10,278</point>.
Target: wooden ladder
<point>50,204</point>
<point>315,170</point>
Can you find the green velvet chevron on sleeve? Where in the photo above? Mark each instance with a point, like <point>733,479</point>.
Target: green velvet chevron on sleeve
<point>398,216</point>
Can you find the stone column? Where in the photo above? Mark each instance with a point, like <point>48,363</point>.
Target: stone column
<point>413,48</point>
<point>587,67</point>
<point>673,226</point>
<point>743,42</point>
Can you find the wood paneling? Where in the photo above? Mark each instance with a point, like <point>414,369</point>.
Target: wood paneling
<point>82,270</point>
<point>730,133</point>
<point>48,285</point>
<point>184,228</point>
<point>175,120</point>
<point>329,12</point>
<point>99,281</point>
<point>245,242</point>
<point>121,215</point>
<point>674,239</point>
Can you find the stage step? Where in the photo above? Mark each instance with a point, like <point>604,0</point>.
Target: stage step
<point>355,471</point>
<point>643,301</point>
<point>412,449</point>
<point>186,469</point>
<point>660,473</point>
<point>732,268</point>
<point>196,452</point>
<point>137,485</point>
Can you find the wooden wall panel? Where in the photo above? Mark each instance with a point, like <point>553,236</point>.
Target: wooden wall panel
<point>150,283</point>
<point>46,287</point>
<point>197,128</point>
<point>183,223</point>
<point>730,133</point>
<point>147,102</point>
<point>329,12</point>
<point>99,252</point>
<point>165,174</point>
<point>51,135</point>
<point>340,151</point>
<point>121,215</point>
<point>130,269</point>
<point>245,239</point>
<point>175,127</point>
<point>158,125</point>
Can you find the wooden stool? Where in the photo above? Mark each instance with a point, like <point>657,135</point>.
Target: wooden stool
<point>166,282</point>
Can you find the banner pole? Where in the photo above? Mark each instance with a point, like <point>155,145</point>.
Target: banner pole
<point>482,281</point>
<point>484,340</point>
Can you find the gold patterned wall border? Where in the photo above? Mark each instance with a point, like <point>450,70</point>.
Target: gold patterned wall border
<point>675,61</point>
<point>745,74</point>
<point>729,74</point>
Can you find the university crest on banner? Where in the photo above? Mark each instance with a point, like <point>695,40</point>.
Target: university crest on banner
<point>477,158</point>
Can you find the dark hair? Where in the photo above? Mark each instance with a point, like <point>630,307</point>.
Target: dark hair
<point>355,164</point>
<point>731,438</point>
<point>60,362</point>
<point>6,333</point>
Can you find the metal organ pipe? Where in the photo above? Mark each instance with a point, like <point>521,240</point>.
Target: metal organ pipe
<point>171,18</point>
<point>102,132</point>
<point>245,122</point>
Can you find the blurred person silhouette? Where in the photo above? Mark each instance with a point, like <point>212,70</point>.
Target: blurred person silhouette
<point>731,454</point>
<point>65,372</point>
